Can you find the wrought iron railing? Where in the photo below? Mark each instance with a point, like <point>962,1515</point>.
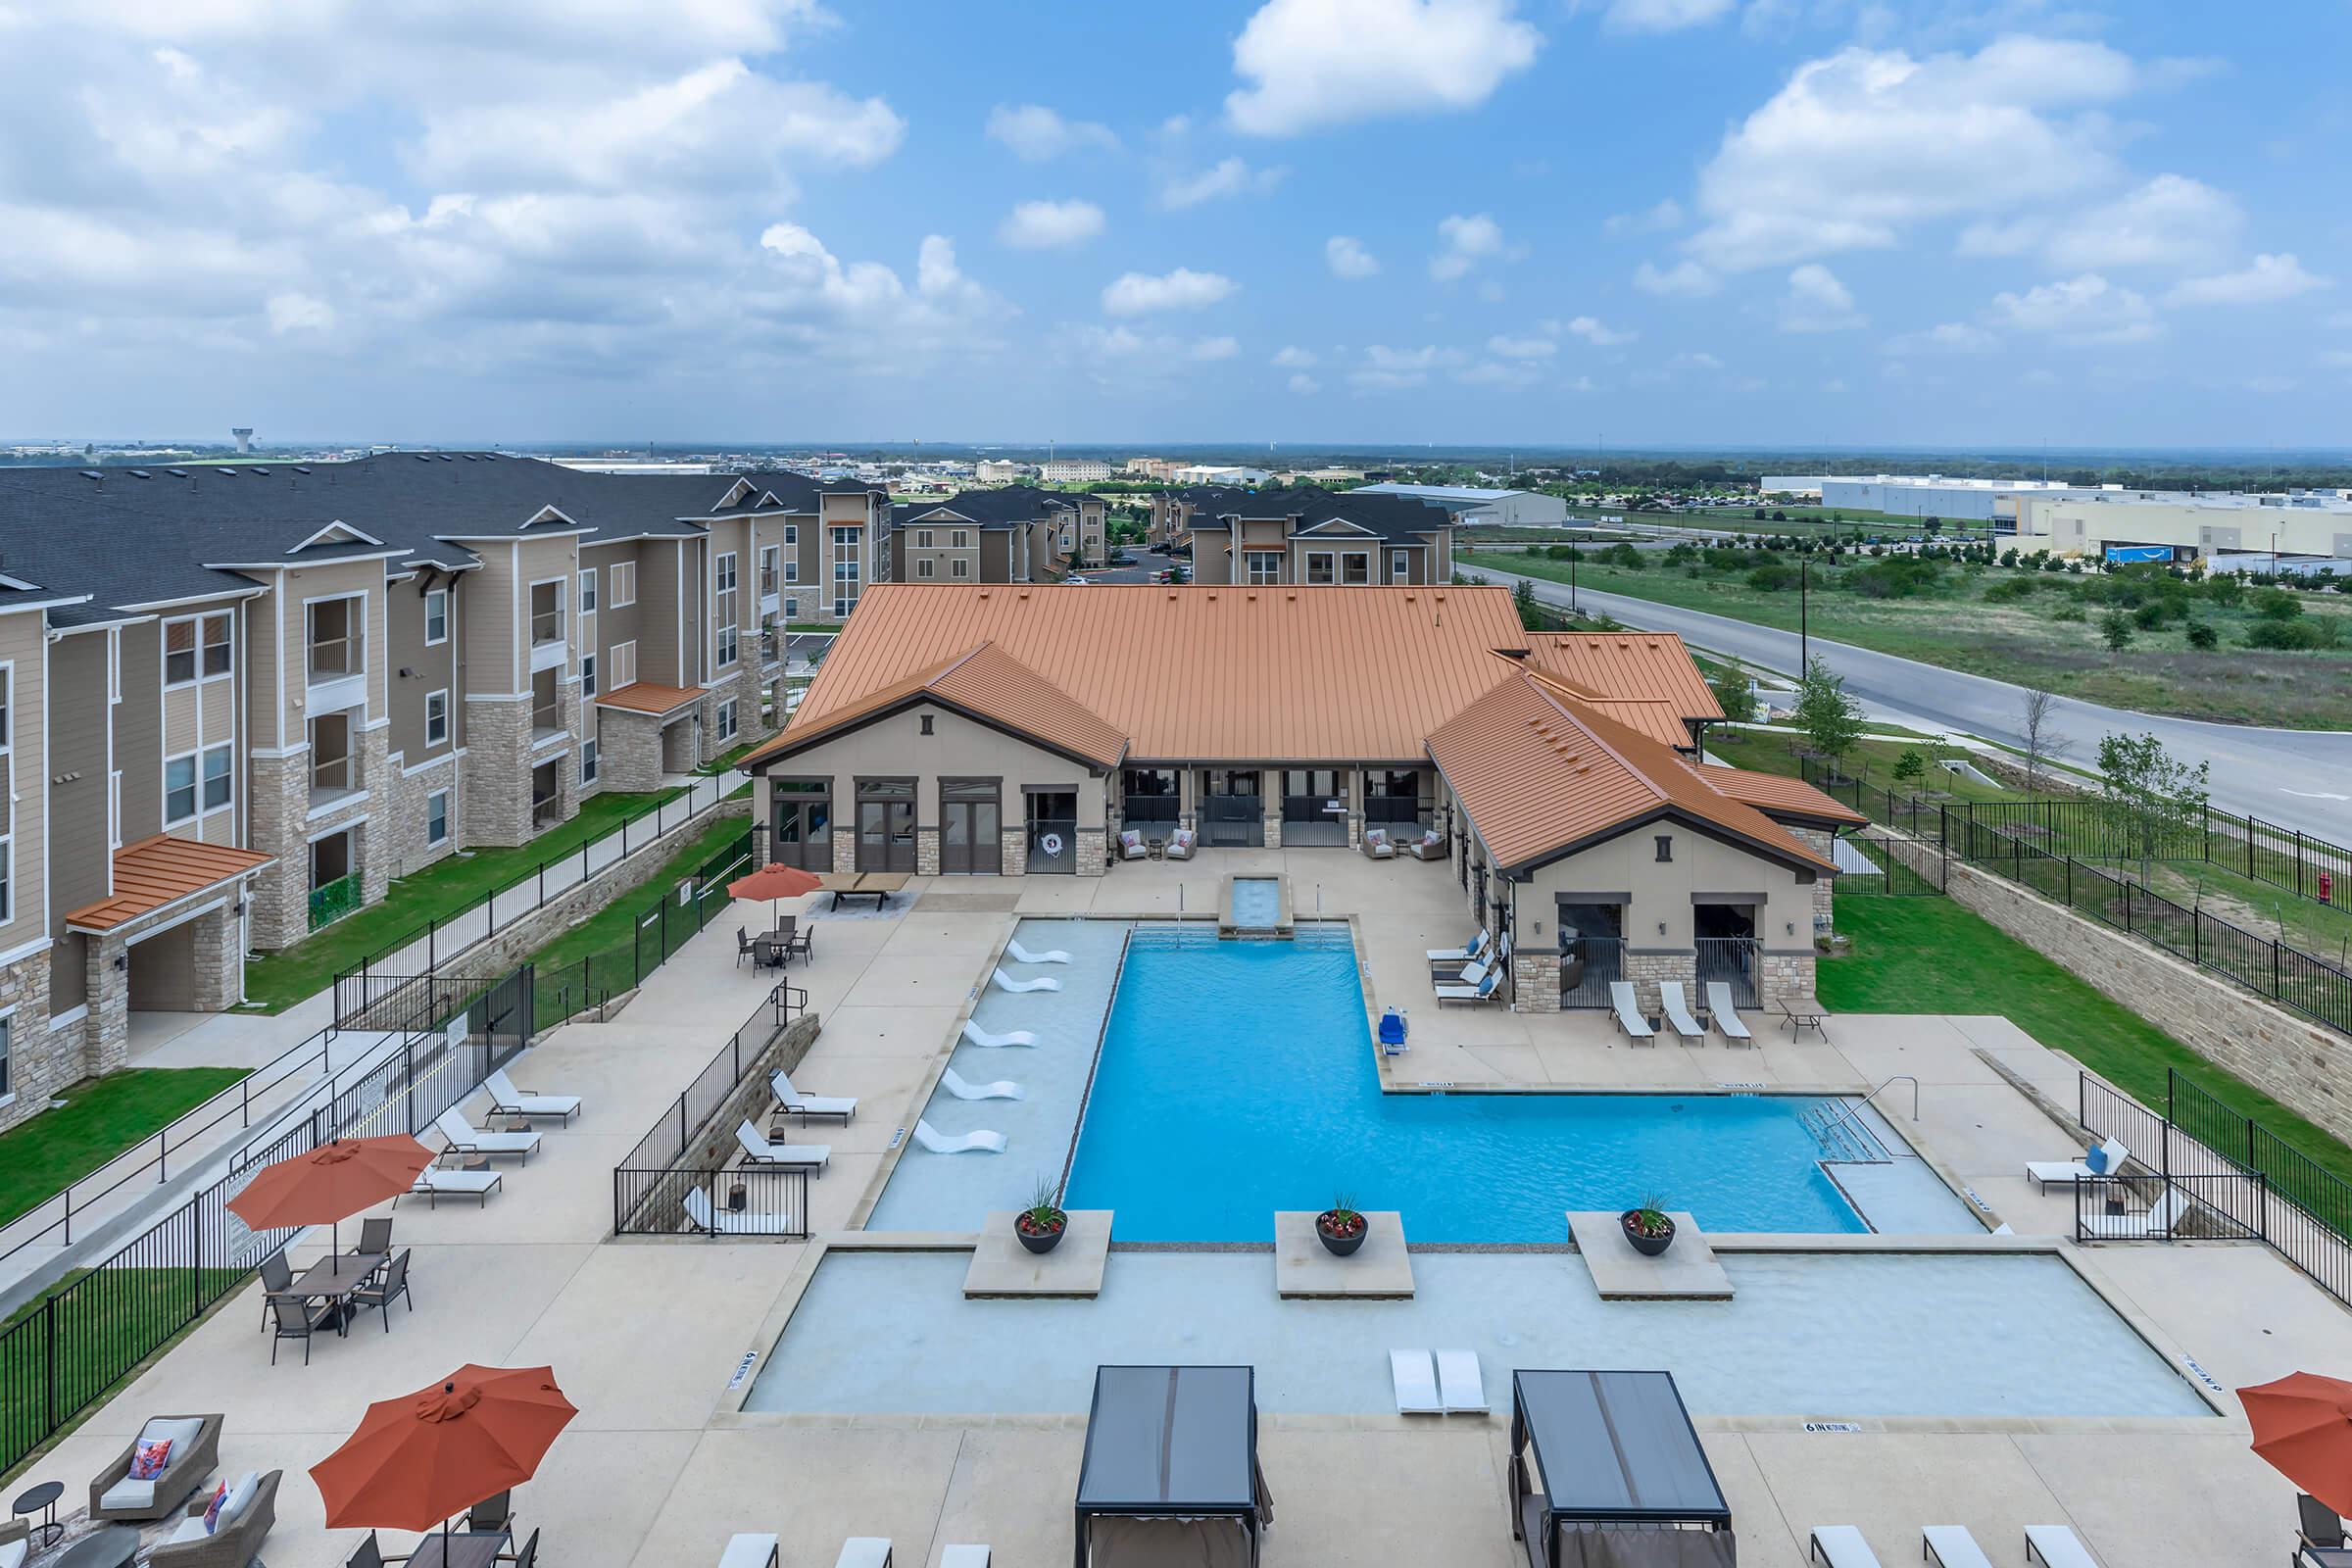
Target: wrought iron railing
<point>1730,961</point>
<point>1588,967</point>
<point>770,1202</point>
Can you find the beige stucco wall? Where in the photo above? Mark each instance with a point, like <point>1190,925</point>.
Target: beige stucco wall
<point>1663,893</point>
<point>894,747</point>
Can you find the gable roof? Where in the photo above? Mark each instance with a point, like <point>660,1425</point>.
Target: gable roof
<point>985,682</point>
<point>1004,506</point>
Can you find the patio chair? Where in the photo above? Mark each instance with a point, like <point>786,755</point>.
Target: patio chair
<point>712,1220</point>
<point>982,1142</point>
<point>1677,1011</point>
<point>803,943</point>
<point>434,1180</point>
<point>1002,1089</point>
<point>1180,844</point>
<point>2106,1160</point>
<point>493,1515</point>
<point>1951,1546</point>
<point>2320,1535</point>
<point>375,1236</point>
<point>1416,1383</point>
<point>865,1552</point>
<point>1010,1037</point>
<point>1021,954</point>
<point>293,1319</point>
<point>464,1137</point>
<point>391,1285</point>
<point>1725,1016</point>
<point>1377,846</point>
<point>1478,945</point>
<point>1840,1546</point>
<point>1430,845</point>
<point>2057,1546</point>
<point>1629,1011</point>
<point>1131,846</point>
<point>2156,1225</point>
<point>195,1450</point>
<point>369,1553</point>
<point>1462,1388</point>
<point>508,1101</point>
<point>757,1151</point>
<point>528,1557</point>
<point>277,1278</point>
<point>1484,991</point>
<point>1042,982</point>
<point>743,946</point>
<point>235,1535</point>
<point>751,1552</point>
<point>844,1106</point>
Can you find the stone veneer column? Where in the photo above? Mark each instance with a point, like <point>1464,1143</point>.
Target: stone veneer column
<point>1646,969</point>
<point>845,845</point>
<point>374,842</point>
<point>39,1063</point>
<point>105,1033</point>
<point>748,689</point>
<point>220,961</point>
<point>1824,887</point>
<point>399,832</point>
<point>1535,981</point>
<point>1090,850</point>
<point>495,790</point>
<point>1014,846</point>
<point>1274,828</point>
<point>1783,974</point>
<point>628,751</point>
<point>280,818</point>
<point>926,851</point>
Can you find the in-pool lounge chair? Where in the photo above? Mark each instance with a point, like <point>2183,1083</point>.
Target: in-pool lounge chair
<point>2154,1225</point>
<point>435,1180</point>
<point>1484,991</point>
<point>1725,1016</point>
<point>2057,1546</point>
<point>1002,1089</point>
<point>1460,1386</point>
<point>1416,1383</point>
<point>1377,845</point>
<point>508,1101</point>
<point>1629,1011</point>
<point>982,1142</point>
<point>2111,1156</point>
<point>1477,946</point>
<point>1677,1011</point>
<point>1951,1546</point>
<point>1042,982</point>
<point>1840,1546</point>
<point>757,1151</point>
<point>1010,1037</point>
<point>794,1102</point>
<point>1020,954</point>
<point>751,1551</point>
<point>465,1137</point>
<point>707,1217</point>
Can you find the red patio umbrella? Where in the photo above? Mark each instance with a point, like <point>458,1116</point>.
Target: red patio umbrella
<point>2303,1426</point>
<point>774,882</point>
<point>417,1460</point>
<point>331,1183</point>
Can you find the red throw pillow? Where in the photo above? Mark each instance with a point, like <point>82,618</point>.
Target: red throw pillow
<point>148,1460</point>
<point>212,1511</point>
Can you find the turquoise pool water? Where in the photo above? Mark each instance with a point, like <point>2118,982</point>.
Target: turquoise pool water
<point>1256,903</point>
<point>1237,1079</point>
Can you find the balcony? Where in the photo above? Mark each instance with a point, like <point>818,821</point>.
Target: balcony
<point>548,649</point>
<point>335,774</point>
<point>335,663</point>
<point>546,711</point>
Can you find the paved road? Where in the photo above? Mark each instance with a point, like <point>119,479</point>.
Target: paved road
<point>2296,778</point>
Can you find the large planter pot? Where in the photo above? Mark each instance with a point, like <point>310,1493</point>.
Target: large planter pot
<point>1646,1245</point>
<point>1040,1239</point>
<point>1340,1243</point>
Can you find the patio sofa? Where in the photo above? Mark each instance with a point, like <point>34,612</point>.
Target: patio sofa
<point>195,1452</point>
<point>246,1515</point>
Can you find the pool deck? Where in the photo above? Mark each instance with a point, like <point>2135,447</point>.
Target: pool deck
<point>645,1335</point>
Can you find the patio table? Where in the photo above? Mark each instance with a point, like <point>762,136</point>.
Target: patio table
<point>334,1279</point>
<point>875,885</point>
<point>470,1549</point>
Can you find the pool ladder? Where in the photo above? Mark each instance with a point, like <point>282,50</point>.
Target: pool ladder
<point>1842,1134</point>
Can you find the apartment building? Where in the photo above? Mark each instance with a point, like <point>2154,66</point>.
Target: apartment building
<point>1310,536</point>
<point>1074,470</point>
<point>236,700</point>
<point>1014,534</point>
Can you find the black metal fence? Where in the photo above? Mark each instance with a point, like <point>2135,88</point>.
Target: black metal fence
<point>2291,1172</point>
<point>644,1202</point>
<point>657,927</point>
<point>1588,967</point>
<point>2224,1205</point>
<point>1730,962</point>
<point>764,1200</point>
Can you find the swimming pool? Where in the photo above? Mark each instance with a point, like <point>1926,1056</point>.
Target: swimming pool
<point>1256,903</point>
<point>1236,1079</point>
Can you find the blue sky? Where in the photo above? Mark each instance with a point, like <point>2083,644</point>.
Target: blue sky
<point>1377,222</point>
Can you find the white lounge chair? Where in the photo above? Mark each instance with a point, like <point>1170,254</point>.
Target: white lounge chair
<point>1044,982</point>
<point>1010,1037</point>
<point>1677,1011</point>
<point>1952,1546</point>
<point>964,1557</point>
<point>2057,1546</point>
<point>1002,1089</point>
<point>2154,1225</point>
<point>759,1151</point>
<point>435,1180</point>
<point>1840,1546</point>
<point>865,1552</point>
<point>1021,954</point>
<point>1629,1011</point>
<point>509,1101</point>
<point>751,1551</point>
<point>1377,845</point>
<point>1725,1017</point>
<point>779,1081</point>
<point>1469,974</point>
<point>2042,1173</point>
<point>707,1217</point>
<point>1131,845</point>
<point>464,1135</point>
<point>982,1142</point>
<point>1416,1383</point>
<point>1460,1388</point>
<point>1478,945</point>
<point>1484,991</point>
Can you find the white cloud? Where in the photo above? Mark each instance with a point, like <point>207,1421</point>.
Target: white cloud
<point>1662,16</point>
<point>1036,132</point>
<point>1860,146</point>
<point>2169,222</point>
<point>1231,177</point>
<point>1214,348</point>
<point>1388,370</point>
<point>1348,257</point>
<point>1817,302</point>
<point>299,313</point>
<point>1042,226</point>
<point>1695,361</point>
<point>1599,334</point>
<point>1305,385</point>
<point>2080,310</point>
<point>1293,358</point>
<point>1464,242</point>
<point>1494,373</point>
<point>1666,215</point>
<point>2265,280</point>
<point>1682,280</point>
<point>1521,348</point>
<point>1316,62</point>
<point>1138,293</point>
<point>1946,337</point>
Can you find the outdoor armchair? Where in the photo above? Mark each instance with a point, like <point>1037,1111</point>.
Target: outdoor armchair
<point>15,1543</point>
<point>195,1451</point>
<point>235,1540</point>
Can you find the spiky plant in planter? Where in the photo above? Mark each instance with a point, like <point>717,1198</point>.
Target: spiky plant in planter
<point>1041,1225</point>
<point>1648,1226</point>
<point>1340,1227</point>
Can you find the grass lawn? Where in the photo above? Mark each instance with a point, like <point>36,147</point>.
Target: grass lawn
<point>1929,955</point>
<point>607,942</point>
<point>2048,638</point>
<point>280,979</point>
<point>100,1118</point>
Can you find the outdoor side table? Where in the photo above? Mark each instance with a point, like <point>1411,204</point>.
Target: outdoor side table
<point>42,1499</point>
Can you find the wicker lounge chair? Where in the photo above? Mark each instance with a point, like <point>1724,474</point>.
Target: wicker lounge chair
<point>1430,845</point>
<point>246,1515</point>
<point>1377,846</point>
<point>195,1451</point>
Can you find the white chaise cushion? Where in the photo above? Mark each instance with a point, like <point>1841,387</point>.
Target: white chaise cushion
<point>128,1494</point>
<point>240,1498</point>
<point>180,1430</point>
<point>188,1529</point>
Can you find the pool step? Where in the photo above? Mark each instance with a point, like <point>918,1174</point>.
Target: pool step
<point>1843,1137</point>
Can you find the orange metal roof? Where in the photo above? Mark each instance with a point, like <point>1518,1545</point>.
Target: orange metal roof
<point>1775,792</point>
<point>985,680</point>
<point>646,697</point>
<point>1197,674</point>
<point>161,871</point>
<point>1537,771</point>
<point>1652,666</point>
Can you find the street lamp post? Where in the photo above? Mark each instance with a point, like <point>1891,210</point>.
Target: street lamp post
<point>1573,554</point>
<point>1804,625</point>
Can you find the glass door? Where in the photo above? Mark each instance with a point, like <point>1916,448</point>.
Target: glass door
<point>968,815</point>
<point>886,825</point>
<point>801,829</point>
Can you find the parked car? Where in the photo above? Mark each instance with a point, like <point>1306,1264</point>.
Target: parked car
<point>1075,582</point>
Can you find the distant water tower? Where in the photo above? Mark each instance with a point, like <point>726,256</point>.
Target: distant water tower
<point>244,435</point>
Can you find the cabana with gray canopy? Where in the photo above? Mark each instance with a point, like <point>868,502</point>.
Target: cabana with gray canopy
<point>1607,1472</point>
<point>1170,1477</point>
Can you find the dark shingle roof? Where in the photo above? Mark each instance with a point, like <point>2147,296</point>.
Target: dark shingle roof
<point>1391,517</point>
<point>1008,507</point>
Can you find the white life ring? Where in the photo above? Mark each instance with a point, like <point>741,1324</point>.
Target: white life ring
<point>1050,843</point>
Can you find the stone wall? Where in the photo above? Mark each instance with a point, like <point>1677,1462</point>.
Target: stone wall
<point>495,804</point>
<point>926,851</point>
<point>1535,981</point>
<point>711,1146</point>
<point>39,1063</point>
<point>628,751</point>
<point>1013,842</point>
<point>1824,887</point>
<point>399,830</point>
<point>2297,1062</point>
<point>1091,850</point>
<point>1782,975</point>
<point>1646,969</point>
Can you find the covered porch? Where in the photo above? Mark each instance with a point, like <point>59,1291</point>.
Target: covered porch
<point>1276,804</point>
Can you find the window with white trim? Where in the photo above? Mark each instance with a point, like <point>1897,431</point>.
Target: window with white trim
<point>922,566</point>
<point>624,665</point>
<point>217,650</point>
<point>625,582</point>
<point>588,591</point>
<point>1355,569</point>
<point>922,538</point>
<point>960,539</point>
<point>588,761</point>
<point>436,818</point>
<point>792,552</point>
<point>1401,566</point>
<point>957,566</point>
<point>1318,566</point>
<point>7,1029</point>
<point>587,676</point>
<point>1264,566</point>
<point>220,777</point>
<point>436,618</point>
<point>179,788</point>
<point>726,721</point>
<point>8,693</point>
<point>436,719</point>
<point>180,653</point>
<point>791,606</point>
<point>725,614</point>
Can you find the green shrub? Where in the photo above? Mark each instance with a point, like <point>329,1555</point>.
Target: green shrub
<point>2115,629</point>
<point>2202,636</point>
<point>1894,577</point>
<point>2298,635</point>
<point>2277,604</point>
<point>2009,590</point>
<point>1624,556</point>
<point>1772,580</point>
